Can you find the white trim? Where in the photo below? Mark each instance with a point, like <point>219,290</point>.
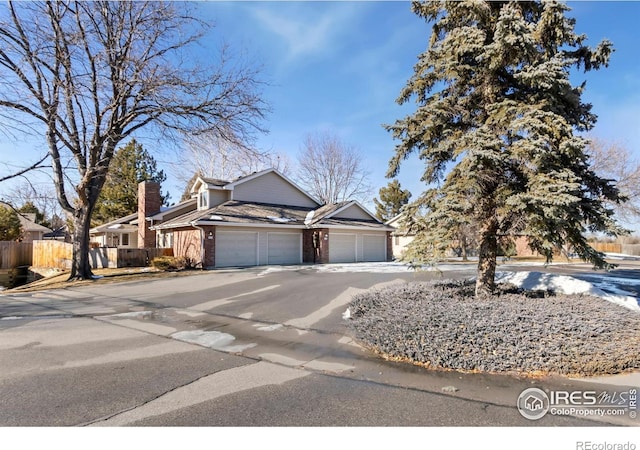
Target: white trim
<point>352,227</point>
<point>254,225</point>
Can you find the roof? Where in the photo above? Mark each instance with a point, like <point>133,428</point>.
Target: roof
<point>239,212</point>
<point>28,223</point>
<point>235,212</point>
<point>187,204</point>
<point>113,225</point>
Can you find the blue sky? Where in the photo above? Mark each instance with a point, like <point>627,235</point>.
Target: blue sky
<point>339,66</point>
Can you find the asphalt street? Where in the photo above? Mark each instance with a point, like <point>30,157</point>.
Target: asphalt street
<point>252,347</point>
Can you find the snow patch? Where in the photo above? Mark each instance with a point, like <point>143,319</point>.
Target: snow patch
<point>347,314</point>
<point>274,327</point>
<point>281,219</point>
<point>211,339</point>
<point>134,314</point>
<point>563,284</point>
<point>11,318</point>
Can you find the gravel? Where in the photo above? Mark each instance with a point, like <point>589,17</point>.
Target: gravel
<point>442,325</point>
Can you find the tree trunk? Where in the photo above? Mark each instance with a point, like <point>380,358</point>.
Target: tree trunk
<point>80,268</point>
<point>463,245</point>
<point>485,283</point>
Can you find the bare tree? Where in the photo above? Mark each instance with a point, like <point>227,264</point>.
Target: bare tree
<point>87,75</point>
<point>211,155</point>
<point>42,196</point>
<point>332,170</point>
<point>613,161</point>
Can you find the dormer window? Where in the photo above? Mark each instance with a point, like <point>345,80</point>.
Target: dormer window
<point>202,200</point>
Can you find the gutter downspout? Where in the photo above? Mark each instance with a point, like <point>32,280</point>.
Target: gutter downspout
<point>202,236</point>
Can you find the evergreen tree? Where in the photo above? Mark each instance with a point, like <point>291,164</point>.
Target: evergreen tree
<point>496,124</point>
<point>392,199</point>
<point>130,165</point>
<point>30,208</point>
<point>10,227</point>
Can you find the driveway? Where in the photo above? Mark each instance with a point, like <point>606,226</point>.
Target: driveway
<point>252,347</point>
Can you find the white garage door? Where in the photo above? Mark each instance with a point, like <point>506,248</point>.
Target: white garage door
<point>374,247</point>
<point>236,248</point>
<point>284,248</point>
<point>342,248</point>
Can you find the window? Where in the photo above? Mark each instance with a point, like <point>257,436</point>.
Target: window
<point>397,239</point>
<point>202,202</point>
<point>125,239</point>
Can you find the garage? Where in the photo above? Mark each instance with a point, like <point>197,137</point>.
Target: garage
<point>342,248</point>
<point>374,247</point>
<point>236,248</point>
<point>284,248</point>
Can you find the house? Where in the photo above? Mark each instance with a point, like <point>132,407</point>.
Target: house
<point>31,231</point>
<point>400,239</point>
<point>260,219</point>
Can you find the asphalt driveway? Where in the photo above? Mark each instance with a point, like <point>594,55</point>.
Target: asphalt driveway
<point>253,347</point>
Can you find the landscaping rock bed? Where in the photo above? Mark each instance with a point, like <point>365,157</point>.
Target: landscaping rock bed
<point>443,326</point>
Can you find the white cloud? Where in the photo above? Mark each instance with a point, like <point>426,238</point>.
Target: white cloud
<point>306,29</point>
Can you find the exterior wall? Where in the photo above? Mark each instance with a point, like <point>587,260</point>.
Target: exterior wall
<point>187,243</point>
<point>308,250</point>
<point>149,202</point>
<point>389,246</point>
<point>270,188</point>
<point>353,212</point>
<point>217,197</point>
<point>399,245</point>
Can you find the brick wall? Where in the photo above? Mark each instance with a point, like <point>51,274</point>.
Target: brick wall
<point>149,202</point>
<point>308,250</point>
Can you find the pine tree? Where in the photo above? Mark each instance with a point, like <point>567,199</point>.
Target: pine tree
<point>392,199</point>
<point>10,227</point>
<point>130,165</point>
<point>497,125</point>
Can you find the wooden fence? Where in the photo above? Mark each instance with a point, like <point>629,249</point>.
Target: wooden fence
<point>52,254</point>
<point>59,255</point>
<point>606,247</point>
<point>14,254</point>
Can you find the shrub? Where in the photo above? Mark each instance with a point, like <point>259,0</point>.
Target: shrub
<point>166,263</point>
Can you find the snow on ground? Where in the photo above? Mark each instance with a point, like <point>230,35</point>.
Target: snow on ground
<point>134,314</point>
<point>212,339</point>
<point>564,284</point>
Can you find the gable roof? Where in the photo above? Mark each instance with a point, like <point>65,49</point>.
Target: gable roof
<point>28,223</point>
<point>117,224</point>
<point>215,183</point>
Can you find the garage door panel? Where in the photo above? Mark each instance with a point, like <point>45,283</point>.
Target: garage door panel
<point>284,248</point>
<point>342,248</point>
<point>374,247</point>
<point>236,248</point>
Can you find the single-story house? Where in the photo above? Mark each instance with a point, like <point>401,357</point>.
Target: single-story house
<point>31,231</point>
<point>260,219</point>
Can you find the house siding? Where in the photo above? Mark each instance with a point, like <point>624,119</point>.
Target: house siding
<point>187,244</point>
<point>353,212</point>
<point>270,188</point>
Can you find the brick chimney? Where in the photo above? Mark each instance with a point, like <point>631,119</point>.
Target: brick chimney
<point>149,202</point>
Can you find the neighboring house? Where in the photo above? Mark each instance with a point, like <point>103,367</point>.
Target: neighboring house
<point>120,233</point>
<point>263,218</point>
<point>59,234</point>
<point>400,239</point>
<point>31,231</point>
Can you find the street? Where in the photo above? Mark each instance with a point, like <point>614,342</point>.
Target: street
<point>251,347</point>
